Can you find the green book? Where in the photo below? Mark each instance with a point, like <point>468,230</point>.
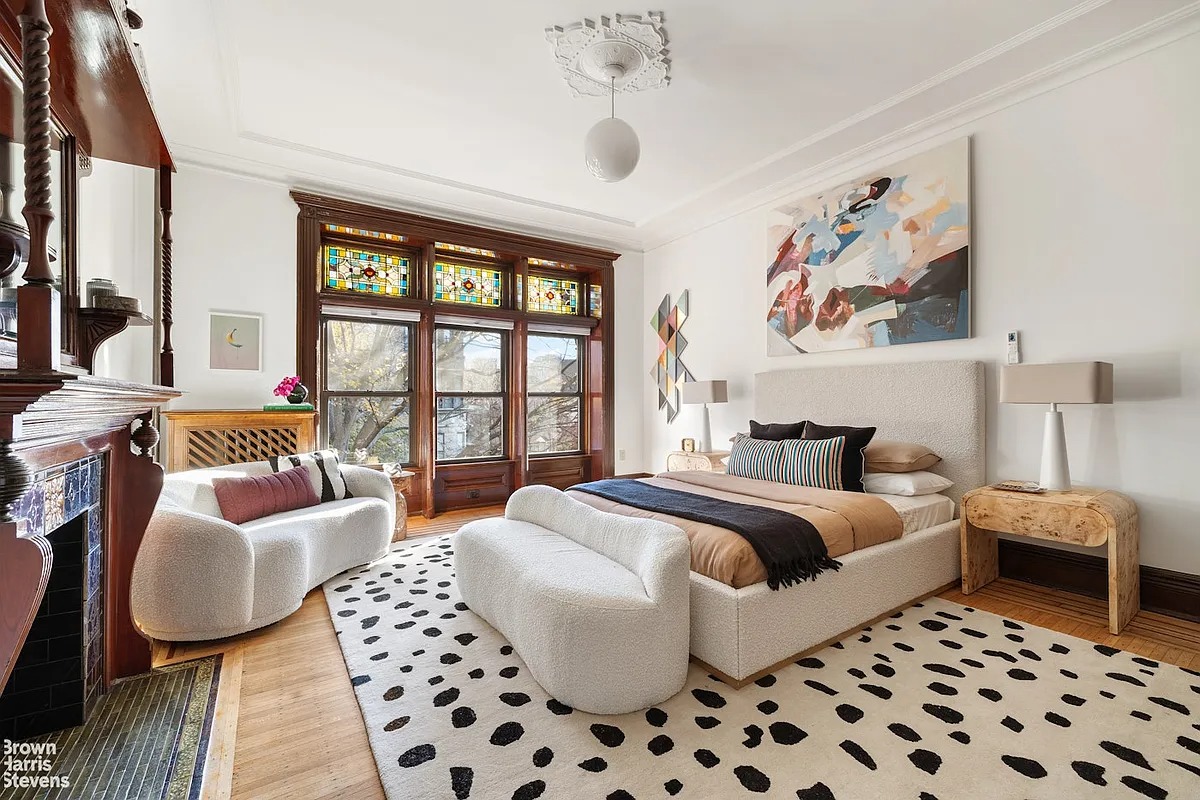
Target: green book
<point>288,407</point>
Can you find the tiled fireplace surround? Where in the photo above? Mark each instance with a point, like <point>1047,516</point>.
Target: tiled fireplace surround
<point>59,675</point>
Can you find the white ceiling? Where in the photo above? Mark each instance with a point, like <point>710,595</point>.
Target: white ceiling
<point>458,108</point>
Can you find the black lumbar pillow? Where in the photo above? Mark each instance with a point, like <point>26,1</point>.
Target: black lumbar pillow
<point>853,460</point>
<point>777,431</point>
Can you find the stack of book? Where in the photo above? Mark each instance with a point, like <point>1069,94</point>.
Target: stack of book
<point>288,407</point>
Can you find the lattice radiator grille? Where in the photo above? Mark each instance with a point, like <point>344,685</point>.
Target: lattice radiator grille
<point>216,448</point>
<point>212,439</point>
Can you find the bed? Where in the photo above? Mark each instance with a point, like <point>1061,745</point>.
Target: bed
<point>742,632</point>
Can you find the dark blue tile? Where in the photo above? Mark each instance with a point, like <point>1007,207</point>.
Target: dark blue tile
<point>95,571</point>
<point>95,527</point>
<point>73,492</point>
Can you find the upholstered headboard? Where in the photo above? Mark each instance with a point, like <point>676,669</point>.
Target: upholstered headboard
<point>939,404</point>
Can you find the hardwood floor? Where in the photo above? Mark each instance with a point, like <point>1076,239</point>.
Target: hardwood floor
<point>300,733</point>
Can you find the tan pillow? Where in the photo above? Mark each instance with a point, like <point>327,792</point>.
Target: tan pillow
<point>885,456</point>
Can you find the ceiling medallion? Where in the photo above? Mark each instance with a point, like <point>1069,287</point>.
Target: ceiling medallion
<point>629,55</point>
<point>587,51</point>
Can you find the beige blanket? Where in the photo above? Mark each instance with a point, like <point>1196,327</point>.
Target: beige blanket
<point>847,521</point>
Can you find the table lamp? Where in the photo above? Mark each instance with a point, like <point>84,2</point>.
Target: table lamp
<point>1056,384</point>
<point>705,392</point>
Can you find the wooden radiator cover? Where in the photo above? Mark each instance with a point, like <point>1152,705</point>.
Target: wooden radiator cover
<point>213,438</point>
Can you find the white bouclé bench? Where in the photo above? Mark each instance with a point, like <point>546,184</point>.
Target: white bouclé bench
<point>595,604</point>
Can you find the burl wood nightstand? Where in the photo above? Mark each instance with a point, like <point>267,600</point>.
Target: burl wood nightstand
<point>1081,516</point>
<point>681,461</point>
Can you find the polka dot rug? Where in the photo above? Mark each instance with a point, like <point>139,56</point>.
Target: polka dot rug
<point>938,701</point>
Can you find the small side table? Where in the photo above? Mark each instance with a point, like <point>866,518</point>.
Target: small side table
<point>681,461</point>
<point>1082,516</point>
<point>401,482</point>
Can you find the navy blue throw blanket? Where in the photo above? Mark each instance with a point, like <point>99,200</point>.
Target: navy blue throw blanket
<point>790,547</point>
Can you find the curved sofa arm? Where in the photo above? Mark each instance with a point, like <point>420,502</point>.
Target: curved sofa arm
<point>367,482</point>
<point>657,552</point>
<point>193,573</point>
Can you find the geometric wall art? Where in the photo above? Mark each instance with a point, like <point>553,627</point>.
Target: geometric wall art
<point>878,261</point>
<point>668,370</point>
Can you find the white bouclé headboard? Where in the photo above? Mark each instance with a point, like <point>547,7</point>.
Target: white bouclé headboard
<point>939,404</point>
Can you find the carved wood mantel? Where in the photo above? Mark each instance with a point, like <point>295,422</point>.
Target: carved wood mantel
<point>65,418</point>
<point>50,414</point>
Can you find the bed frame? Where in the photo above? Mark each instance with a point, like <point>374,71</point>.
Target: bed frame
<point>742,634</point>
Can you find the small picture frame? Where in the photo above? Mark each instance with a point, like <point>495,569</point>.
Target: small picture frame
<point>234,341</point>
<point>689,445</point>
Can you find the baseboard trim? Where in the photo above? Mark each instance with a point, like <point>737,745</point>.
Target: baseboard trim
<point>1176,594</point>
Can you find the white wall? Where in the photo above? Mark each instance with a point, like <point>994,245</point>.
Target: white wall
<point>235,250</point>
<point>1084,217</point>
<point>117,217</point>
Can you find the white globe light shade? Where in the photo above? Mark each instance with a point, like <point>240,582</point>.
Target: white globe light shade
<point>611,149</point>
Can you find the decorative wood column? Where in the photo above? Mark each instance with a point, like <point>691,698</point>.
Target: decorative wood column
<point>166,359</point>
<point>39,322</point>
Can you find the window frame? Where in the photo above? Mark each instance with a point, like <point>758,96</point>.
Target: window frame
<point>505,392</point>
<point>326,394</point>
<point>581,343</point>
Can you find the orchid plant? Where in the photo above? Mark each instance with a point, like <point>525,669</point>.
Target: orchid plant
<point>287,386</point>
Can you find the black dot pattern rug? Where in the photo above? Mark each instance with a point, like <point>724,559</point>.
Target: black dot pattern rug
<point>939,701</point>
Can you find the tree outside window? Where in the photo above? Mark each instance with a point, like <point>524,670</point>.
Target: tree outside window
<point>367,390</point>
<point>555,394</point>
<point>470,385</point>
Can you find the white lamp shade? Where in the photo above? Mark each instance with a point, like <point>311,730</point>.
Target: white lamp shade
<point>611,149</point>
<point>695,392</point>
<point>1077,382</point>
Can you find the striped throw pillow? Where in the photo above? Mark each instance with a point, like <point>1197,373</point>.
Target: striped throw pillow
<point>802,462</point>
<point>324,471</point>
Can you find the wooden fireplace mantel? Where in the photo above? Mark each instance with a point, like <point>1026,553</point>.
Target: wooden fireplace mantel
<point>57,419</point>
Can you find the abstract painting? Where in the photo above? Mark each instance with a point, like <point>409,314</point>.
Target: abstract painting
<point>234,341</point>
<point>878,261</point>
<point>668,371</point>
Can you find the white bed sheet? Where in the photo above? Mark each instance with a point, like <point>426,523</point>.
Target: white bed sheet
<point>919,513</point>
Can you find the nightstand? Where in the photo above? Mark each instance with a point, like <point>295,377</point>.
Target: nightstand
<point>1082,516</point>
<point>681,461</point>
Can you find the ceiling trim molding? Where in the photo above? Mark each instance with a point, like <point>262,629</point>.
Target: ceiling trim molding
<point>301,180</point>
<point>231,67</point>
<point>379,166</point>
<point>959,69</point>
<point>1179,24</point>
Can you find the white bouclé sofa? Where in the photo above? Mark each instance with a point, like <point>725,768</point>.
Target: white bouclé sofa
<point>199,577</point>
<point>596,604</point>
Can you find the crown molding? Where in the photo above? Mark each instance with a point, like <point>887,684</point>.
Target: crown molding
<point>1157,33</point>
<point>722,199</point>
<point>300,180</point>
<point>959,69</point>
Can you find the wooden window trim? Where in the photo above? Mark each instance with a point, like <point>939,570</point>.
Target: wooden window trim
<point>591,266</point>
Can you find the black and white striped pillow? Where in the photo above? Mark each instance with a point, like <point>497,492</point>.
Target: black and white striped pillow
<point>801,462</point>
<point>324,471</point>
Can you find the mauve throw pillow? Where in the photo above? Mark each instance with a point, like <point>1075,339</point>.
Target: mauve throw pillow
<point>257,496</point>
<point>777,431</point>
<point>853,460</point>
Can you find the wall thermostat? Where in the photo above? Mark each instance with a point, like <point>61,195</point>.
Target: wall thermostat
<point>1014,347</point>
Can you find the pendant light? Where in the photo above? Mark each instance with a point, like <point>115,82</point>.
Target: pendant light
<point>611,148</point>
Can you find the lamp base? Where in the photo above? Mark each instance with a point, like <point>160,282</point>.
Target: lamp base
<point>1056,472</point>
<point>705,432</point>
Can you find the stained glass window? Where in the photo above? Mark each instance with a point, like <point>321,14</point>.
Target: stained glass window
<point>541,262</point>
<point>595,303</point>
<point>553,295</point>
<point>460,283</point>
<point>471,251</point>
<point>388,237</point>
<point>357,270</point>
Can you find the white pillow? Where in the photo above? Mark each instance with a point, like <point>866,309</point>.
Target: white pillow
<point>905,484</point>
